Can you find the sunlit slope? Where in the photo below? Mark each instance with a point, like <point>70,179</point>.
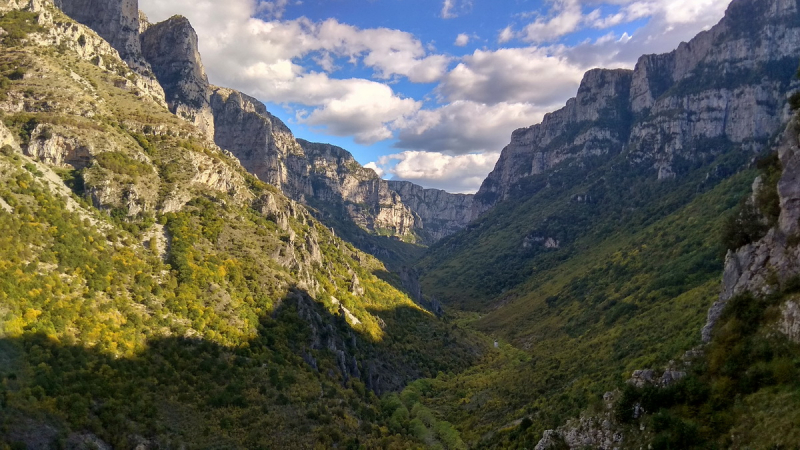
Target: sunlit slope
<point>151,291</point>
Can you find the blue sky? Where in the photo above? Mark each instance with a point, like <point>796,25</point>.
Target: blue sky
<point>425,90</point>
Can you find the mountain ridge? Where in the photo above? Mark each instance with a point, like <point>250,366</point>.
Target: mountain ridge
<point>277,158</point>
<point>659,110</point>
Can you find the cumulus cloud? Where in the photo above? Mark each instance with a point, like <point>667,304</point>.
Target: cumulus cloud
<point>506,34</point>
<point>462,40</point>
<point>669,23</point>
<point>273,9</point>
<point>260,57</point>
<point>531,75</point>
<point>459,174</point>
<point>565,18</point>
<point>463,127</point>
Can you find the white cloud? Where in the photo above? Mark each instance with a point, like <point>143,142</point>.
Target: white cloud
<point>568,16</point>
<point>513,75</point>
<point>260,58</point>
<point>452,8</point>
<point>360,111</point>
<point>273,9</point>
<point>670,23</point>
<point>505,35</point>
<point>462,40</point>
<point>565,18</point>
<point>460,174</point>
<point>463,127</point>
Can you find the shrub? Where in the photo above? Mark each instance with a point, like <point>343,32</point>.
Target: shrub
<point>122,164</point>
<point>743,227</point>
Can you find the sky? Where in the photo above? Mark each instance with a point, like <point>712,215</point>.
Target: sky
<point>427,91</point>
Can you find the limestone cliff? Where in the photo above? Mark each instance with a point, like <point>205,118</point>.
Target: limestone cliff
<point>171,48</point>
<point>764,266</point>
<point>116,21</point>
<point>320,174</point>
<point>725,88</point>
<point>337,178</point>
<point>441,212</point>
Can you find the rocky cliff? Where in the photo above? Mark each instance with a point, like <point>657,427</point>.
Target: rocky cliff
<point>117,22</point>
<point>171,48</point>
<point>322,174</point>
<point>764,266</point>
<point>441,212</point>
<point>725,88</point>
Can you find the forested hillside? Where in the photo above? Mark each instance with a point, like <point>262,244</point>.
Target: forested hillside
<point>154,293</point>
<point>178,271</point>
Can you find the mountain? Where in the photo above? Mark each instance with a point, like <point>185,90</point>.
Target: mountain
<point>154,294</point>
<point>600,236</point>
<point>673,112</point>
<point>322,175</point>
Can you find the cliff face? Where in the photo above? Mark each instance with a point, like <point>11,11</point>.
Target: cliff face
<point>171,48</point>
<point>307,172</point>
<point>726,87</point>
<point>117,22</point>
<point>762,267</point>
<point>442,213</point>
<point>337,178</point>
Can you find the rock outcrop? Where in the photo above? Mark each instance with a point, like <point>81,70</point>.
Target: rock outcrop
<point>116,21</point>
<point>304,171</point>
<point>763,266</point>
<point>441,212</point>
<point>171,48</point>
<point>725,88</point>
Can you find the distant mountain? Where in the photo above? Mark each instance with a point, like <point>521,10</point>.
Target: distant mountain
<point>598,242</point>
<point>323,175</point>
<point>674,112</point>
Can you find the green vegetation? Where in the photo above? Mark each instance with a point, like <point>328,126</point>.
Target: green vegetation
<point>123,164</point>
<point>751,220</point>
<point>247,333</point>
<point>18,25</point>
<point>636,266</point>
<point>163,295</point>
<point>746,365</point>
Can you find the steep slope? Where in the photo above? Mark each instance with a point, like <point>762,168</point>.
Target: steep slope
<point>603,149</point>
<point>325,176</point>
<point>153,294</point>
<point>442,213</point>
<point>727,86</point>
<point>117,23</point>
<point>597,248</point>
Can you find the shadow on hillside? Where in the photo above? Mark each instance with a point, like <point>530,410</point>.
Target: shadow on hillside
<point>303,373</point>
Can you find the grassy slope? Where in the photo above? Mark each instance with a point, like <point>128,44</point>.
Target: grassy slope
<point>628,287</point>
<point>100,335</point>
<point>585,325</point>
<point>741,392</point>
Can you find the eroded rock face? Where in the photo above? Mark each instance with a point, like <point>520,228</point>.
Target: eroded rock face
<point>727,86</point>
<point>116,21</point>
<point>55,149</point>
<point>262,142</point>
<point>441,212</point>
<point>790,320</point>
<point>763,266</point>
<point>304,171</point>
<point>171,48</point>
